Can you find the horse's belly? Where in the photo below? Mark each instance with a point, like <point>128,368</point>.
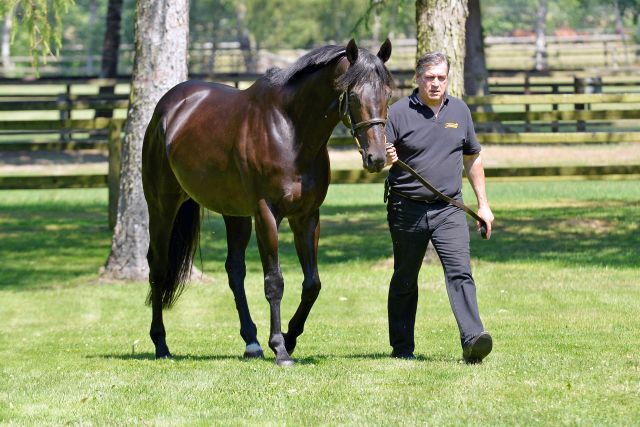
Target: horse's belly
<point>219,191</point>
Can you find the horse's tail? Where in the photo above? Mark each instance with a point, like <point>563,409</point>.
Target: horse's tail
<point>185,236</point>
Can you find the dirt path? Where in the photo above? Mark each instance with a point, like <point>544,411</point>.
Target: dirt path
<point>95,162</point>
<point>512,156</point>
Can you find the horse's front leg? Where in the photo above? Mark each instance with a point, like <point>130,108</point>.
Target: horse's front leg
<point>238,235</point>
<point>267,235</point>
<point>306,231</point>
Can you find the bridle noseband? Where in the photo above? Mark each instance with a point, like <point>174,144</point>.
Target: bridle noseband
<point>345,116</point>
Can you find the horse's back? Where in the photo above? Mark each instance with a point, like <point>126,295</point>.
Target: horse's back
<point>194,104</point>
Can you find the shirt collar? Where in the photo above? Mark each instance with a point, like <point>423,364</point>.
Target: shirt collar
<point>414,98</point>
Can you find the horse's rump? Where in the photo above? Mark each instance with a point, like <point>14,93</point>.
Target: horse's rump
<point>200,124</point>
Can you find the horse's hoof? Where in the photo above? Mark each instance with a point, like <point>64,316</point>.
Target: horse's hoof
<point>253,351</point>
<point>285,362</point>
<point>289,343</point>
<point>163,355</point>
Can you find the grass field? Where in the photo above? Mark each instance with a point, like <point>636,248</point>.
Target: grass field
<point>558,288</point>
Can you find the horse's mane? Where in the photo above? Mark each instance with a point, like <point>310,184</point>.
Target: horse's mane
<point>368,67</point>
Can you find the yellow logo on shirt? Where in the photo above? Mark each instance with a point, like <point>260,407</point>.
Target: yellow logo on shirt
<point>452,125</point>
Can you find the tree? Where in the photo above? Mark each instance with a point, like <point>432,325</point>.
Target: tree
<point>111,42</point>
<point>475,65</point>
<point>441,27</point>
<point>7,64</point>
<point>244,37</point>
<point>541,44</point>
<point>161,39</point>
<point>110,48</point>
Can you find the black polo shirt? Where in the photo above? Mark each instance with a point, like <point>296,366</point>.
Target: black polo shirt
<point>432,146</point>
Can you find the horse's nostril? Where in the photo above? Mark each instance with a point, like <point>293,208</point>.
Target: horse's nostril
<point>374,163</point>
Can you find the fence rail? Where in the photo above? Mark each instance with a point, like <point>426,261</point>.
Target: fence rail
<point>602,118</point>
<point>502,53</point>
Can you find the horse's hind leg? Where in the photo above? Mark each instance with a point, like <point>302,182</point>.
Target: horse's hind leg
<point>306,231</point>
<point>161,218</point>
<point>238,235</point>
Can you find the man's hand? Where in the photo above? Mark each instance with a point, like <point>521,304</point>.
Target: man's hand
<point>392,157</point>
<point>485,213</point>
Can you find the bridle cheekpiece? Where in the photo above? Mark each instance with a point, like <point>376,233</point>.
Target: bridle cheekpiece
<point>345,116</point>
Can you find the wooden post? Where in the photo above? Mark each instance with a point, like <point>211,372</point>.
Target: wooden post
<point>527,107</point>
<point>113,180</point>
<point>554,107</point>
<point>579,87</point>
<point>64,106</point>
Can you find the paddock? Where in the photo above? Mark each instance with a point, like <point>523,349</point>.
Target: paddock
<point>558,289</point>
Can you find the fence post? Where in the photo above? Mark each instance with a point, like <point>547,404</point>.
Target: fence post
<point>554,107</point>
<point>579,87</point>
<point>113,179</point>
<point>527,107</point>
<point>64,106</point>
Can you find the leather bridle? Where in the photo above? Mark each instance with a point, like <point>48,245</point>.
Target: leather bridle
<point>345,115</point>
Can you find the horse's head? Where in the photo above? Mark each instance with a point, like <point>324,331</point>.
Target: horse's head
<point>366,88</point>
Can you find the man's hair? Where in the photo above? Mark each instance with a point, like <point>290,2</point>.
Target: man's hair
<point>429,60</point>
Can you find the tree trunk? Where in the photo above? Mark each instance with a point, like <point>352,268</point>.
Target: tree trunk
<point>475,67</point>
<point>110,48</point>
<point>636,19</point>
<point>90,44</point>
<point>376,27</point>
<point>441,27</point>
<point>393,13</point>
<point>111,42</point>
<point>620,30</point>
<point>7,64</point>
<point>244,39</point>
<point>541,43</point>
<point>162,31</point>
<point>212,28</point>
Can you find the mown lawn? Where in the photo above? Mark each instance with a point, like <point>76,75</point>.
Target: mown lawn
<point>558,287</point>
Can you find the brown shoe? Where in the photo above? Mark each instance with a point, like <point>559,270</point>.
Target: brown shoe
<point>478,348</point>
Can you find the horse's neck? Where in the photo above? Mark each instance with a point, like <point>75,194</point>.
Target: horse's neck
<point>313,108</point>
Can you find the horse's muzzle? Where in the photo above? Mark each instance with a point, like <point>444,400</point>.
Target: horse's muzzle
<point>373,163</point>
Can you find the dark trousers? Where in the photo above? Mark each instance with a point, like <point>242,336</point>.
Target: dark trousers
<point>412,224</point>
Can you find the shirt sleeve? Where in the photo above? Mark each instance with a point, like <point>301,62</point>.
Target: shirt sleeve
<point>390,128</point>
<point>471,144</point>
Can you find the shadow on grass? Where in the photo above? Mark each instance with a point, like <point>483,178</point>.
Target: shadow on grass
<point>50,244</point>
<point>175,358</point>
<point>378,356</point>
<point>45,244</point>
<point>307,360</point>
<point>600,234</point>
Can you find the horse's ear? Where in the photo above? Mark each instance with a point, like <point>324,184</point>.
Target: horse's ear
<point>385,51</point>
<point>352,51</point>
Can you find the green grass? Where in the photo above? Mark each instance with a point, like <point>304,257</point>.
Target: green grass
<point>557,285</point>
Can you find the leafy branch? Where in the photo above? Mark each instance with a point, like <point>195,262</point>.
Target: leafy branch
<point>42,19</point>
<point>376,6</point>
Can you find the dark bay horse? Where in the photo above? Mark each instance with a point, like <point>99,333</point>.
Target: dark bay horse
<point>262,153</point>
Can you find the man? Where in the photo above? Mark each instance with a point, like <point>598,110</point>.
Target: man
<point>433,133</point>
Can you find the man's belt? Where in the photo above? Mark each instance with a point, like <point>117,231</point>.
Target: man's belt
<point>444,197</point>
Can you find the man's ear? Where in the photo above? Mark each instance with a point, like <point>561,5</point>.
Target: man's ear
<point>385,51</point>
<point>352,51</point>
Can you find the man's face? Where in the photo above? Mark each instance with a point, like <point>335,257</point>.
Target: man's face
<point>432,83</point>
